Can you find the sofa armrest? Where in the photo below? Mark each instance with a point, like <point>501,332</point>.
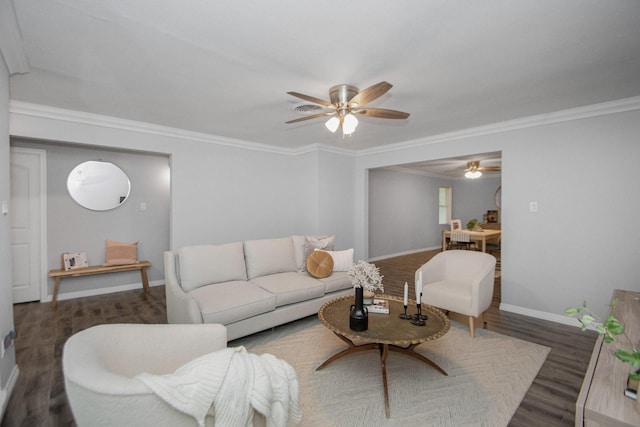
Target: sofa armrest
<point>181,308</point>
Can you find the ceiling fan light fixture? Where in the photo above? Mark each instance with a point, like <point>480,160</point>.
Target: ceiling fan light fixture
<point>332,124</point>
<point>349,124</point>
<point>345,102</point>
<point>473,174</point>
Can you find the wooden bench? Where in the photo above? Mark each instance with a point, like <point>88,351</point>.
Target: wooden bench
<point>99,269</point>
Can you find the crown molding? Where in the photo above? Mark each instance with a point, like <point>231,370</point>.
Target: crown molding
<point>601,109</point>
<point>81,117</point>
<point>402,169</point>
<point>11,40</point>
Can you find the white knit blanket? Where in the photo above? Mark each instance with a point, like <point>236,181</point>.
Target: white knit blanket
<point>234,383</point>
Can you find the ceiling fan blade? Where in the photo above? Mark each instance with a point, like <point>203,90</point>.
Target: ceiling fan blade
<point>475,166</point>
<point>382,113</point>
<point>369,94</point>
<point>313,116</point>
<point>472,166</point>
<point>312,99</point>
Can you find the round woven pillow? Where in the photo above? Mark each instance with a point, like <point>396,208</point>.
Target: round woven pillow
<point>319,264</point>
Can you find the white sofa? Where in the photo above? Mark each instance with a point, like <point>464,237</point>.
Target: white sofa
<point>247,286</point>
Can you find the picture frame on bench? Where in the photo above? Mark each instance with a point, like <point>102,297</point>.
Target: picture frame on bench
<point>71,261</point>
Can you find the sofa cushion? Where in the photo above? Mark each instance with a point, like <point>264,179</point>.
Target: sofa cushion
<point>290,287</point>
<point>232,301</point>
<point>269,256</point>
<point>338,281</point>
<point>304,245</point>
<point>206,264</point>
<point>319,264</point>
<point>455,295</point>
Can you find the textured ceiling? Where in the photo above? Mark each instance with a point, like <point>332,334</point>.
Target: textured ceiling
<point>224,67</point>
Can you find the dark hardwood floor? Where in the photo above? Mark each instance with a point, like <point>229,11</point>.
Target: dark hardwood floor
<point>39,400</point>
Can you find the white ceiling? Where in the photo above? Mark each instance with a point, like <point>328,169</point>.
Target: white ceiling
<point>224,67</point>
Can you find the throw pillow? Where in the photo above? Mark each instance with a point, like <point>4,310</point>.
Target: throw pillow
<point>120,253</point>
<point>320,264</point>
<point>342,260</point>
<point>311,243</point>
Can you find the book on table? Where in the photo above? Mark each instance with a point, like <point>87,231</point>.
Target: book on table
<point>380,306</point>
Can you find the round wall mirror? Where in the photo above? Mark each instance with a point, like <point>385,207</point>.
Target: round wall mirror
<point>99,186</point>
<point>497,197</point>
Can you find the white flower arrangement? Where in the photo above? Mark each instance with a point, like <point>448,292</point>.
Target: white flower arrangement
<point>366,275</point>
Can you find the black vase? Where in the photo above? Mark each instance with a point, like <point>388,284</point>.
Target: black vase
<point>359,317</point>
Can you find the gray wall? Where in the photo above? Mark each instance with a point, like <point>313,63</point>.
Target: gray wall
<point>8,363</point>
<point>582,172</point>
<point>581,169</point>
<point>403,212</point>
<point>335,197</point>
<point>472,198</point>
<point>582,242</point>
<point>225,190</point>
<point>403,209</point>
<point>72,228</point>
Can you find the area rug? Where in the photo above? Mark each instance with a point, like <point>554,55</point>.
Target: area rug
<point>488,377</point>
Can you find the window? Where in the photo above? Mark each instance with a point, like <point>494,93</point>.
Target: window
<point>444,205</point>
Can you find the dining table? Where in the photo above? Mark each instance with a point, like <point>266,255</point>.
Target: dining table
<point>476,236</point>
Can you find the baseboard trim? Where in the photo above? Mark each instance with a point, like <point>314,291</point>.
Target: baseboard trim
<point>5,393</point>
<point>552,317</point>
<point>413,251</point>
<point>101,291</point>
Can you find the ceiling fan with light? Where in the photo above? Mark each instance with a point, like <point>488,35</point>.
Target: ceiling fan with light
<point>346,102</point>
<point>474,170</point>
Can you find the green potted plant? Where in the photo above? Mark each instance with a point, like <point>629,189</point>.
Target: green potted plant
<point>608,329</point>
<point>471,225</point>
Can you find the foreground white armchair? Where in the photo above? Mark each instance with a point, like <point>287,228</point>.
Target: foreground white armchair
<point>459,281</point>
<point>100,365</point>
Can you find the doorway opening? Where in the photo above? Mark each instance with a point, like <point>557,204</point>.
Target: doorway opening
<point>404,208</point>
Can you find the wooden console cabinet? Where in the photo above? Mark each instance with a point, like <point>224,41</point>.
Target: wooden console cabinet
<point>601,401</point>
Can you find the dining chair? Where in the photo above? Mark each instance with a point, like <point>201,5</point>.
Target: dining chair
<point>460,240</point>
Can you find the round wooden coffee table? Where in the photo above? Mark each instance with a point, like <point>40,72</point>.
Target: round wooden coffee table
<point>386,332</point>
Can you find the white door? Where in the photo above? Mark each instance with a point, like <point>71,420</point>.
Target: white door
<point>27,212</point>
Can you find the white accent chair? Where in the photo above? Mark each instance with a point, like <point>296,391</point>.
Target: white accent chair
<point>459,281</point>
<point>100,364</point>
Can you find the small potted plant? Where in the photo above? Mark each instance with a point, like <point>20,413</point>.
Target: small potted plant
<point>473,225</point>
<point>608,329</point>
<point>367,276</point>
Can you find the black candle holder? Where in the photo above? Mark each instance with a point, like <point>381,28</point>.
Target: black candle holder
<point>419,318</point>
<point>404,315</point>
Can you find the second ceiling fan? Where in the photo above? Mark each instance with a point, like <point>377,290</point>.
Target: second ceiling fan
<point>474,170</point>
<point>346,102</point>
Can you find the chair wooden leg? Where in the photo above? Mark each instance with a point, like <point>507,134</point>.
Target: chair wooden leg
<point>472,328</point>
